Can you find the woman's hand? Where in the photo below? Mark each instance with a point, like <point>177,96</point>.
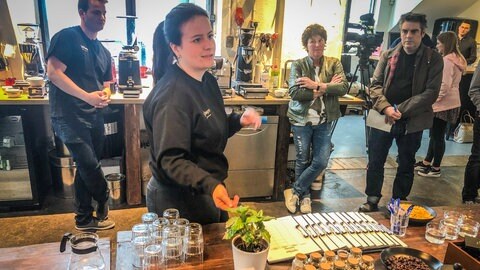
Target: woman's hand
<point>250,118</point>
<point>222,200</point>
<point>306,83</point>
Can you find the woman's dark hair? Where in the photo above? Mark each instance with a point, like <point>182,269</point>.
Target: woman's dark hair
<point>171,34</point>
<point>313,30</point>
<point>162,54</point>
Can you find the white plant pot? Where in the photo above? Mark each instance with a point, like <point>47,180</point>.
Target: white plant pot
<point>247,260</point>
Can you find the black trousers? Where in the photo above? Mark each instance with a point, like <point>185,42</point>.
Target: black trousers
<point>86,147</point>
<point>379,144</point>
<point>471,181</point>
<point>436,146</point>
<point>194,207</point>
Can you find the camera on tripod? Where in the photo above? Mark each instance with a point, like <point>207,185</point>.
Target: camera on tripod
<point>365,43</point>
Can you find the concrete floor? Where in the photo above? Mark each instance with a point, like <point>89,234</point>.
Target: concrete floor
<point>343,191</point>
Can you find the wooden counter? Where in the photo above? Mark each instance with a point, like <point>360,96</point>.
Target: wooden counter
<point>218,252</point>
<point>132,115</point>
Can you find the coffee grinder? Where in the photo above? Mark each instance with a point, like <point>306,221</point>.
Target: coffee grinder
<point>244,67</point>
<point>32,55</point>
<point>129,82</point>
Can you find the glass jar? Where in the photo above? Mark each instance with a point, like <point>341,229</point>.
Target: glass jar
<point>342,255</point>
<point>353,264</point>
<point>339,265</point>
<point>328,256</point>
<point>309,267</point>
<point>299,261</point>
<point>325,266</point>
<point>356,253</point>
<point>315,259</point>
<point>367,263</point>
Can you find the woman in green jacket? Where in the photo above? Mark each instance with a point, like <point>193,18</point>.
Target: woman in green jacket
<point>316,82</point>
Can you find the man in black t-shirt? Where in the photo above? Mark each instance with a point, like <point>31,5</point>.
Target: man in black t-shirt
<point>78,65</point>
<point>405,84</point>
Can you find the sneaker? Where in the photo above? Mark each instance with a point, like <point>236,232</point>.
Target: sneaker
<point>469,202</point>
<point>96,224</point>
<point>291,200</point>
<point>420,165</point>
<point>368,207</point>
<point>306,206</point>
<point>430,172</point>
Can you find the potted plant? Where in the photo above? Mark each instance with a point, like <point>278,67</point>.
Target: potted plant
<point>250,239</point>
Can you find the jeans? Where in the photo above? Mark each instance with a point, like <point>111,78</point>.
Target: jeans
<point>379,143</point>
<point>192,206</point>
<point>471,181</point>
<point>436,146</point>
<point>86,147</point>
<point>317,139</point>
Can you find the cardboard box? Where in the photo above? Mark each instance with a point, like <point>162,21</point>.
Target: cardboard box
<point>456,254</point>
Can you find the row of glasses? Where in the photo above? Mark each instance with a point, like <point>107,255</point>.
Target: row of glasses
<point>166,242</point>
<point>452,225</point>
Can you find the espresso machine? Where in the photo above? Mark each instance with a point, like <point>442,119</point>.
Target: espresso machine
<point>244,68</point>
<point>222,71</point>
<point>129,82</point>
<point>32,55</point>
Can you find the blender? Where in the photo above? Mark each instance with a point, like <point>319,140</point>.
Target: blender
<point>30,50</point>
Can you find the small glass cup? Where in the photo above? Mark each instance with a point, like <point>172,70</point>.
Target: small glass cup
<point>172,248</point>
<point>139,244</point>
<point>149,218</point>
<point>140,229</point>
<point>399,223</point>
<point>181,223</point>
<point>342,255</point>
<point>152,259</point>
<point>454,214</point>
<point>156,229</point>
<point>452,227</point>
<point>435,232</point>
<point>469,227</point>
<point>171,214</point>
<point>193,244</point>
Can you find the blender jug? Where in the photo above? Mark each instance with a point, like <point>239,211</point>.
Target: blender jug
<point>85,252</point>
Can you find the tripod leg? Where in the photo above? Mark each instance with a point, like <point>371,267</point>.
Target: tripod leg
<point>353,78</point>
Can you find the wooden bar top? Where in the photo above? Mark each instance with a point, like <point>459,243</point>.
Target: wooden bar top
<point>218,252</point>
<point>45,256</point>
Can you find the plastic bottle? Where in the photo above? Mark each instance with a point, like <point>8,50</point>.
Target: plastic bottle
<point>299,261</point>
<point>265,77</point>
<point>275,74</point>
<point>258,72</point>
<point>143,54</point>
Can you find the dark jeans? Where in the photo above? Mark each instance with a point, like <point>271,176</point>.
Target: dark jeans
<point>317,138</point>
<point>379,144</point>
<point>471,181</point>
<point>194,207</point>
<point>86,147</point>
<point>436,146</point>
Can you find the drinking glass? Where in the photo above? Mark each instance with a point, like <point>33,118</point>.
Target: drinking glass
<point>452,227</point>
<point>152,259</point>
<point>139,244</point>
<point>399,223</point>
<point>140,229</point>
<point>171,214</point>
<point>453,214</point>
<point>172,246</point>
<point>193,244</point>
<point>181,223</point>
<point>342,255</point>
<point>469,227</point>
<point>149,218</point>
<point>435,232</point>
<point>156,229</point>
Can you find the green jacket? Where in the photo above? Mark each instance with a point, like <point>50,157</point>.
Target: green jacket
<point>301,98</point>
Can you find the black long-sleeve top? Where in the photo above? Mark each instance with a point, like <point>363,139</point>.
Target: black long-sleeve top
<point>468,48</point>
<point>188,130</point>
